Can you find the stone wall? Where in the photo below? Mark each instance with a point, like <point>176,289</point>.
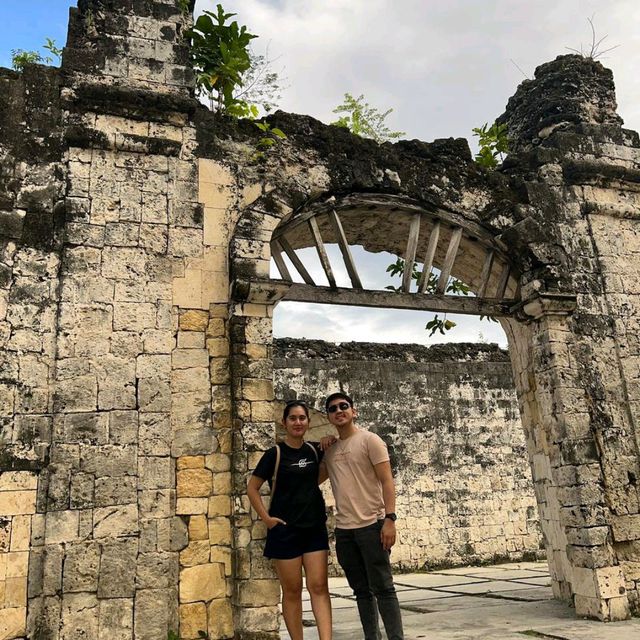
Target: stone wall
<point>136,372</point>
<point>31,220</point>
<point>18,520</point>
<point>449,416</point>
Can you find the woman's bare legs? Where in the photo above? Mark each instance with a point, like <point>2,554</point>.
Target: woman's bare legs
<point>315,569</point>
<point>290,576</point>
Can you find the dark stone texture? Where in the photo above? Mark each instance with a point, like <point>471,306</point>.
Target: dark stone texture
<point>567,91</point>
<point>301,349</point>
<point>133,103</point>
<point>30,114</point>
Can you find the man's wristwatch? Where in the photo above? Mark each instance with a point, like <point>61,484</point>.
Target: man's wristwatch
<point>392,516</point>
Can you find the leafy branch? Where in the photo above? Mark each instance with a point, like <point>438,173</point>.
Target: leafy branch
<point>364,120</point>
<point>261,84</point>
<point>454,286</point>
<point>220,56</point>
<point>272,135</point>
<point>20,58</point>
<point>493,144</point>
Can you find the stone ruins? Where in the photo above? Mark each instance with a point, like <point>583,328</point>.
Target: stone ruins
<point>137,387</point>
<point>449,415</point>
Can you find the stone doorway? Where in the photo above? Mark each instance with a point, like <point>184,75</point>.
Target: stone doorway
<point>538,331</point>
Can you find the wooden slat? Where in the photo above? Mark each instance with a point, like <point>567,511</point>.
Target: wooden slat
<point>486,273</point>
<point>504,279</point>
<point>410,254</point>
<point>428,259</point>
<point>449,259</point>
<point>295,260</point>
<point>345,250</point>
<point>518,291</point>
<point>295,221</point>
<point>270,291</point>
<point>322,253</point>
<point>276,254</point>
<point>364,201</point>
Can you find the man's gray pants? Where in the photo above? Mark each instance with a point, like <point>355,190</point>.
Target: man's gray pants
<point>367,568</point>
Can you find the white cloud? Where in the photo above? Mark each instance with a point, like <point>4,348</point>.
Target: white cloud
<point>444,65</point>
<point>345,324</point>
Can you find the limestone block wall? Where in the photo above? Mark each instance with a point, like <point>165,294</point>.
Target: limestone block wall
<point>449,415</point>
<point>19,525</point>
<point>31,188</point>
<point>575,362</point>
<point>31,184</point>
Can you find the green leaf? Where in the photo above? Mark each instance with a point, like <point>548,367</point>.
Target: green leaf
<point>364,120</point>
<point>266,143</point>
<point>493,143</point>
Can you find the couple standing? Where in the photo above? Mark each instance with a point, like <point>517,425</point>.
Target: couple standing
<point>358,466</point>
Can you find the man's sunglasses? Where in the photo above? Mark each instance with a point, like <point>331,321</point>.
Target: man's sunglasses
<point>342,406</point>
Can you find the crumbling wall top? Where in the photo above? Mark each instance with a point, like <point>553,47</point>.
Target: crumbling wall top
<point>567,91</point>
<point>300,348</point>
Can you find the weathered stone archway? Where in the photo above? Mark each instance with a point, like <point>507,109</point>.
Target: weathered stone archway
<point>136,392</point>
<point>566,351</point>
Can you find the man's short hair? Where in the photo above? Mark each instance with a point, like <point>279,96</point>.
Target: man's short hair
<point>335,396</point>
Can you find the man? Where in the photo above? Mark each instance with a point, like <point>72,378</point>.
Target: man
<point>360,473</point>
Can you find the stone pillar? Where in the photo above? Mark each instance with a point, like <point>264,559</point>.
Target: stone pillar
<point>109,554</point>
<point>577,377</point>
<point>256,592</point>
<point>17,524</point>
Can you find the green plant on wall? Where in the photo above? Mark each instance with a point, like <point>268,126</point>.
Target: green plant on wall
<point>271,136</point>
<point>493,144</point>
<point>20,58</point>
<point>223,62</point>
<point>220,56</point>
<point>364,120</point>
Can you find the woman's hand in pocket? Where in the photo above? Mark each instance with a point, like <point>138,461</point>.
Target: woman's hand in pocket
<point>272,522</point>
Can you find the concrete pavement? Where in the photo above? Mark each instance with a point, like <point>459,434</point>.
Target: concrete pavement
<point>500,602</point>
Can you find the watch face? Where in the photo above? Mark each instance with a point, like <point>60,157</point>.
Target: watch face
<point>391,516</point>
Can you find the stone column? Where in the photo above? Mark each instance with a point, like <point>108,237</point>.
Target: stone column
<point>256,592</point>
<point>576,377</point>
<point>108,557</point>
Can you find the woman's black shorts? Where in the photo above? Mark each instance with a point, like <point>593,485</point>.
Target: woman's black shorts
<point>285,542</point>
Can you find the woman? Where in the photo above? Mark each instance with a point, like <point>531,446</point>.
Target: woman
<point>297,533</point>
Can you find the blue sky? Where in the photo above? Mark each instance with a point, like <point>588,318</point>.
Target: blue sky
<point>25,25</point>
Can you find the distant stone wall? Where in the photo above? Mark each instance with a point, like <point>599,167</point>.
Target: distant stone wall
<point>449,415</point>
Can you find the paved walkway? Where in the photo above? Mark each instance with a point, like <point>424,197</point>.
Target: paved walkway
<point>501,602</point>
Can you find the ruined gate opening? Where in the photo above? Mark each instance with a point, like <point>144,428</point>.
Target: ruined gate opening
<point>434,247</point>
<point>465,492</point>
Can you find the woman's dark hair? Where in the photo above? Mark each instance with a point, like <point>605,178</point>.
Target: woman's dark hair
<point>294,403</point>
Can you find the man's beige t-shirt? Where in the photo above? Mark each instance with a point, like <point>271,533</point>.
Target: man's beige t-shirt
<point>356,488</point>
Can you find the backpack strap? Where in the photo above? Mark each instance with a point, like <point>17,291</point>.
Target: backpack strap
<point>275,471</point>
<point>315,451</point>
